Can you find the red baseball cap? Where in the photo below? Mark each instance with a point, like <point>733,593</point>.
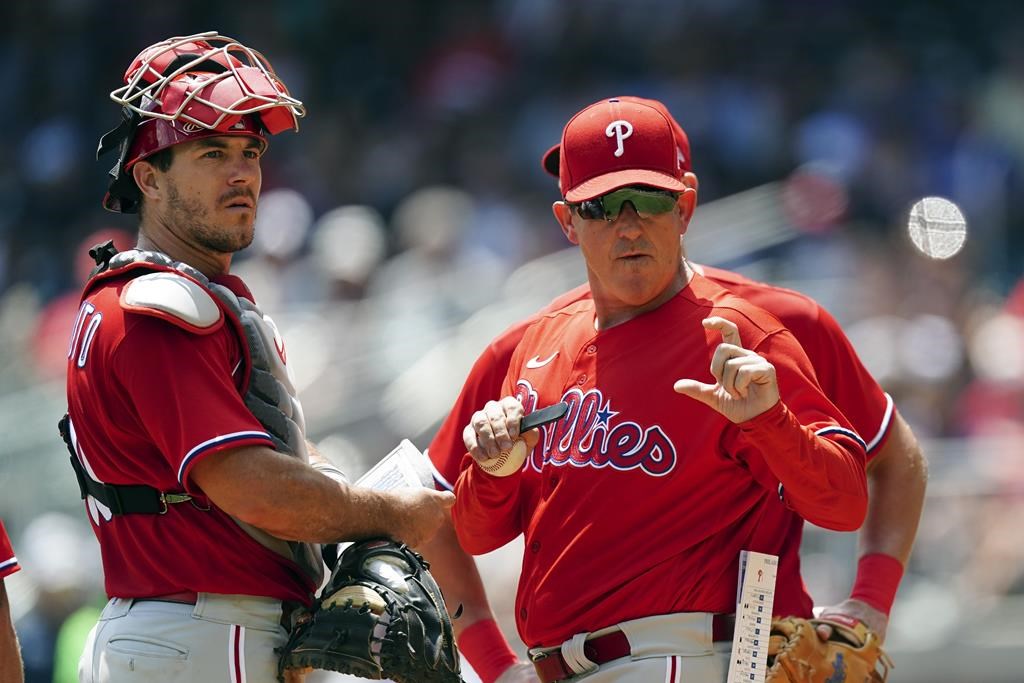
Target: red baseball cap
<point>614,143</point>
<point>552,158</point>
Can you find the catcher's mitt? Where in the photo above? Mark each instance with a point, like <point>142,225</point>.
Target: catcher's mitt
<point>851,655</point>
<point>380,616</point>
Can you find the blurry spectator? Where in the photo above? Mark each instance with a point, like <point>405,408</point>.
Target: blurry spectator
<point>434,283</point>
<point>349,243</point>
<point>53,326</point>
<point>274,264</point>
<point>62,559</point>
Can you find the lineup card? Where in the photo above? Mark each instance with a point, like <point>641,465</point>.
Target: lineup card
<point>404,467</point>
<point>755,594</point>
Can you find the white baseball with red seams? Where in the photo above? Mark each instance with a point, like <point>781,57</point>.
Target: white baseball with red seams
<point>507,462</point>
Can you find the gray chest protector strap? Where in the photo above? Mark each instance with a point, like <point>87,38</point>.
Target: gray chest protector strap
<point>270,392</point>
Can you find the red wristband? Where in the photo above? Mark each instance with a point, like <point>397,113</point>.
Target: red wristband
<point>486,649</point>
<point>878,578</point>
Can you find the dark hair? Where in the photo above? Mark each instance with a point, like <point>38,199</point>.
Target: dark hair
<point>162,159</point>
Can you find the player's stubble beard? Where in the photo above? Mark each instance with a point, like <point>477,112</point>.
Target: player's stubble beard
<point>193,219</point>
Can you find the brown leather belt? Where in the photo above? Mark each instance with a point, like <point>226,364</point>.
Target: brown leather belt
<point>552,666</point>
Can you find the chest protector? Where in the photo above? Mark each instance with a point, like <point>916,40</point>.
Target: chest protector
<point>182,295</point>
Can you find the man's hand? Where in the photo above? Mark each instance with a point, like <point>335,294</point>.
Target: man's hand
<point>420,513</point>
<point>746,383</point>
<point>875,620</point>
<point>494,429</point>
<point>520,672</point>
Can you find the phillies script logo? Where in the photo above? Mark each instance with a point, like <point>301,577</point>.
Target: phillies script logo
<point>590,436</point>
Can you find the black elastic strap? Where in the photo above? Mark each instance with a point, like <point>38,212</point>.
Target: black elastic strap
<point>121,499</point>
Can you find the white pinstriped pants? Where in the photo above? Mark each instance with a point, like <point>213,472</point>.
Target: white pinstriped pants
<point>668,648</point>
<point>221,638</point>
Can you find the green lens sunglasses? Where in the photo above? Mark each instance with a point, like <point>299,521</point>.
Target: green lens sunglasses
<point>646,202</point>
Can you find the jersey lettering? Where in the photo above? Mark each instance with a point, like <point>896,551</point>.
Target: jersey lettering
<point>590,436</point>
<point>86,312</point>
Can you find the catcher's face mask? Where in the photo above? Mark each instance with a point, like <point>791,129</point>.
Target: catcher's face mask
<point>191,87</point>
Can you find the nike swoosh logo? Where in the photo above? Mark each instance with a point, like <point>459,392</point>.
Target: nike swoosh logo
<point>536,362</point>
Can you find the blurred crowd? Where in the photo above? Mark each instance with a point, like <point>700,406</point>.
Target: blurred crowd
<point>394,228</point>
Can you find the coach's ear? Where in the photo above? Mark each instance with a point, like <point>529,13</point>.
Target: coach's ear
<point>563,214</point>
<point>687,202</point>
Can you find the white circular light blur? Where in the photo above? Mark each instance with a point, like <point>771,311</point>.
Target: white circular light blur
<point>937,227</point>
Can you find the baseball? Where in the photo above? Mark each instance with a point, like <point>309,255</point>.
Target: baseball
<point>507,462</point>
<point>937,227</point>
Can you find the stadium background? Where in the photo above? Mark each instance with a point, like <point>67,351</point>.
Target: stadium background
<point>408,222</point>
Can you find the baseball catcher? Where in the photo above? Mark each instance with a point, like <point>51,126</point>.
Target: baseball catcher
<point>380,616</point>
<point>852,653</point>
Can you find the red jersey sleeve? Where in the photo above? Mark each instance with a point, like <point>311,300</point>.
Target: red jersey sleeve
<point>848,383</point>
<point>184,389</point>
<point>804,445</point>
<point>483,384</point>
<point>487,511</point>
<point>8,561</point>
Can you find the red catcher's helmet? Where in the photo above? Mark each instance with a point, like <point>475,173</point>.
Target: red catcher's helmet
<point>187,88</point>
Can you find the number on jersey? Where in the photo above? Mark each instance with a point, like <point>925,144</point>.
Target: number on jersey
<point>86,324</point>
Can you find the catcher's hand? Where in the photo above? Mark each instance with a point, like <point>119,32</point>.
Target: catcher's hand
<point>381,616</point>
<point>852,654</point>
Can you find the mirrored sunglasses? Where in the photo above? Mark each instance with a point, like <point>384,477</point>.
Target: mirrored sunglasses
<point>646,201</point>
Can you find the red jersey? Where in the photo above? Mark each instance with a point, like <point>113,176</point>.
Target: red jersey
<point>655,490</point>
<point>8,561</point>
<point>147,401</point>
<point>842,376</point>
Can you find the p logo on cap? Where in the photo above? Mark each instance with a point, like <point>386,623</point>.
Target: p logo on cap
<point>620,130</point>
<point>614,143</point>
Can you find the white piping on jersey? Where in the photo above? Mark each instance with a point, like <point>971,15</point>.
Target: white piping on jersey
<point>884,427</point>
<point>216,441</point>
<point>842,430</point>
<point>13,562</point>
<point>438,477</point>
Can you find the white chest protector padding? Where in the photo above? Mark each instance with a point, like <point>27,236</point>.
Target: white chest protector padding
<point>174,295</point>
